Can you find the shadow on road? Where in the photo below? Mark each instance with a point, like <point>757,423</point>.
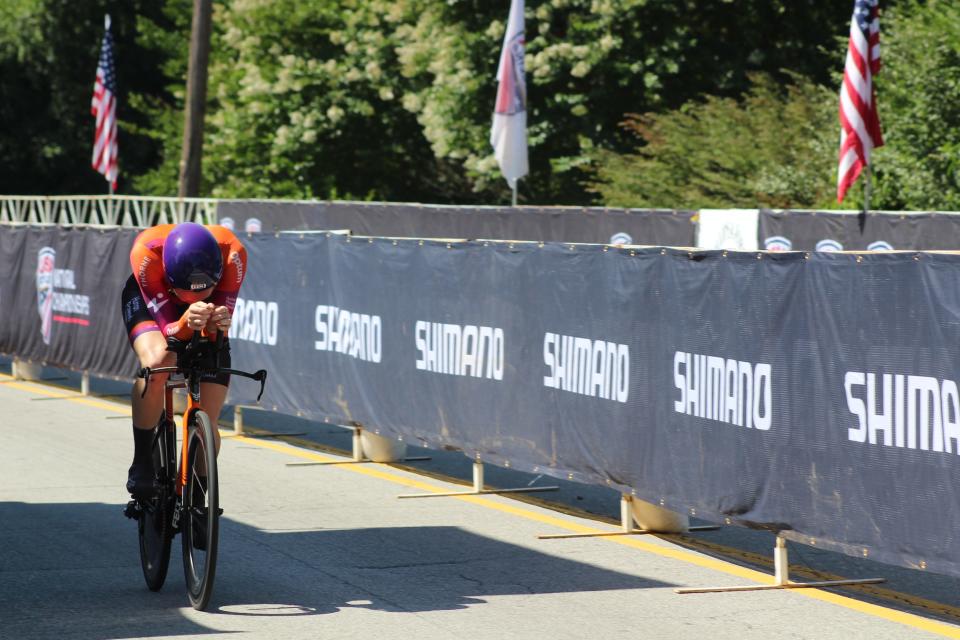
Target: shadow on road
<point>72,570</point>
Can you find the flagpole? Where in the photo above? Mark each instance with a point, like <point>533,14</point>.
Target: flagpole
<point>867,184</point>
<point>106,27</point>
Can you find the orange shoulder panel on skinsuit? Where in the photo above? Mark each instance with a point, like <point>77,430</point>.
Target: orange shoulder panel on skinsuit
<point>146,260</point>
<point>234,262</point>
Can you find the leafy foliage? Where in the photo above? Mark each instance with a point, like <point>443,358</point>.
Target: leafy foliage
<point>723,152</point>
<point>919,101</point>
<point>778,147</point>
<point>308,102</point>
<point>48,56</point>
<point>166,36</point>
<point>393,100</point>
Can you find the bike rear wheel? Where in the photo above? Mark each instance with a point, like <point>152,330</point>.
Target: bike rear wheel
<point>155,524</point>
<point>199,518</point>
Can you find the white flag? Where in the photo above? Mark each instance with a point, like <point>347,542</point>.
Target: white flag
<point>508,135</point>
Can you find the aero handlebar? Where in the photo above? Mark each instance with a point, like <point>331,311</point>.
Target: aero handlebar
<point>259,376</point>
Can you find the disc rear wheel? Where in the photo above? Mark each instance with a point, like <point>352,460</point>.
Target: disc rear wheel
<point>155,525</point>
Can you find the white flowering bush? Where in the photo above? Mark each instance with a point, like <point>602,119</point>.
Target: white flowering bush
<point>393,99</point>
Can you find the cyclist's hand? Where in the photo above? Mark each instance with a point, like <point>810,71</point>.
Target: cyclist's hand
<point>198,315</point>
<point>220,319</point>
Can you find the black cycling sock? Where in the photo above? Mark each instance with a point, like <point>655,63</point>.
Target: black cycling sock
<point>142,444</point>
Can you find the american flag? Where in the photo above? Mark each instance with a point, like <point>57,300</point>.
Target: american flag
<point>859,122</point>
<point>104,108</point>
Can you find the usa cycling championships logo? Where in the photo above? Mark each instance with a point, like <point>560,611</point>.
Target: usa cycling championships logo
<point>61,306</point>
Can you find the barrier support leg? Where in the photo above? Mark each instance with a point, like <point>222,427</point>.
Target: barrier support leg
<point>29,371</point>
<point>781,562</point>
<point>238,420</point>
<point>781,580</point>
<point>239,432</point>
<point>477,487</point>
<point>357,445</point>
<point>626,526</point>
<point>85,384</point>
<point>356,455</point>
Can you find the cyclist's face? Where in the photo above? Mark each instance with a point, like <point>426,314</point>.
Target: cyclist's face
<point>193,296</point>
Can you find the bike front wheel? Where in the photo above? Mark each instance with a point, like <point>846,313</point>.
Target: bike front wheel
<point>199,518</point>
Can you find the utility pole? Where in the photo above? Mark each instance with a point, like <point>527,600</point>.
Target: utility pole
<point>196,100</point>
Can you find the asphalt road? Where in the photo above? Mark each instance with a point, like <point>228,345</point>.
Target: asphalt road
<point>330,552</point>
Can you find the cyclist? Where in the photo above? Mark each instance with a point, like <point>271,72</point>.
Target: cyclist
<point>185,278</point>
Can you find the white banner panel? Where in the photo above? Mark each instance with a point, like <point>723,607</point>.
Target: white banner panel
<point>734,229</point>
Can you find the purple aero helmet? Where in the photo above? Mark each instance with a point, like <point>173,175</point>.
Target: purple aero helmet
<point>191,257</point>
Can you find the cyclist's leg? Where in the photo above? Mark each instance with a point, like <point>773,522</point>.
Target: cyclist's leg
<point>150,347</point>
<point>212,396</point>
<point>151,350</point>
<point>147,408</point>
<point>213,392</point>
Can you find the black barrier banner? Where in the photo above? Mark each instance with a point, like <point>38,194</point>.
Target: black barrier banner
<point>543,224</point>
<point>816,395</point>
<point>812,394</point>
<point>849,231</point>
<point>60,297</point>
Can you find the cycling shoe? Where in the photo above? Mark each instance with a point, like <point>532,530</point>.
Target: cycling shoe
<point>141,483</point>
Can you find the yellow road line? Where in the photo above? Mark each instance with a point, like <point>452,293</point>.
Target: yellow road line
<point>39,389</point>
<point>376,471</point>
<point>878,611</point>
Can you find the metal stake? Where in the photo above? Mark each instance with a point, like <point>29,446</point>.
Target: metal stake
<point>626,526</point>
<point>477,487</point>
<point>781,578</point>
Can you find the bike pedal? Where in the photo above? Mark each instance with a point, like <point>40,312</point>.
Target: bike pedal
<point>133,510</point>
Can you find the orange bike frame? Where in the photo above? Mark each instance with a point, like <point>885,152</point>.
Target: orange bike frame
<point>192,408</point>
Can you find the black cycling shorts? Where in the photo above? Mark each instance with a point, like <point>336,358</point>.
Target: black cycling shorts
<point>137,320</point>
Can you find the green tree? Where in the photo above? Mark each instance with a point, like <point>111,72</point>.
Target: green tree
<point>308,102</point>
<point>919,102</point>
<point>777,146</point>
<point>166,36</point>
<point>724,152</point>
<point>393,100</point>
<point>48,57</point>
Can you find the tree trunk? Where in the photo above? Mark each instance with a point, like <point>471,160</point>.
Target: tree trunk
<point>196,99</point>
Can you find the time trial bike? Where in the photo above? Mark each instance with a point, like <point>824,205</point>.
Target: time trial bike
<point>186,498</point>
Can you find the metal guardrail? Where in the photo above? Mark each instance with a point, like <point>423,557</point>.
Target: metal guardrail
<point>125,211</point>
